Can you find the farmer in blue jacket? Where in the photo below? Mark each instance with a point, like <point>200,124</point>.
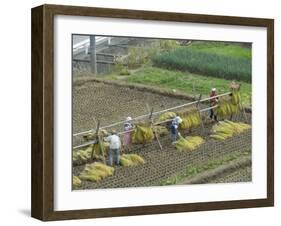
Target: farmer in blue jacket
<point>174,127</point>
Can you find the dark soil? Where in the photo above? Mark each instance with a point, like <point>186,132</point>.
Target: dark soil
<point>109,104</point>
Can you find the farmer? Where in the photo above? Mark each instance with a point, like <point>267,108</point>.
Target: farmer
<point>174,127</point>
<point>213,102</point>
<point>127,138</point>
<point>114,148</point>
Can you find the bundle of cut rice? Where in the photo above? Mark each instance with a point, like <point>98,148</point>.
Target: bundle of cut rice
<point>142,134</point>
<point>96,171</point>
<point>226,129</point>
<point>189,143</point>
<point>166,116</point>
<point>190,118</point>
<point>81,156</point>
<point>76,182</point>
<point>131,160</point>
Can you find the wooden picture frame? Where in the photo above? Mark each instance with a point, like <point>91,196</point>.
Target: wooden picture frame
<point>42,203</point>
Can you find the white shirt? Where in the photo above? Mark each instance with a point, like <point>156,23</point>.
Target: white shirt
<point>114,141</point>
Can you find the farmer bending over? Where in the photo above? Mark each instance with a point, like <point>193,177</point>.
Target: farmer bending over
<point>174,128</point>
<point>114,148</point>
<point>213,102</point>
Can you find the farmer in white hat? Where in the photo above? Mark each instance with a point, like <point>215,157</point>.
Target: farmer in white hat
<point>127,138</point>
<point>213,102</point>
<point>174,127</point>
<point>114,148</point>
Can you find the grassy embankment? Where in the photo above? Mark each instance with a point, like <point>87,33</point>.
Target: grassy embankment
<point>188,83</point>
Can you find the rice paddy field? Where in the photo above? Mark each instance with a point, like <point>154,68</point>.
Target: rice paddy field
<point>111,103</point>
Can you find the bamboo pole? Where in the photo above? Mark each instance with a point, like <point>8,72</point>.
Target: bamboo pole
<point>123,132</point>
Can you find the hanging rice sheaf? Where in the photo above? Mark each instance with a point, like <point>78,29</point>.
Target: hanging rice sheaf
<point>131,160</point>
<point>190,119</point>
<point>188,143</point>
<point>76,182</point>
<point>225,129</point>
<point>160,130</point>
<point>101,148</point>
<point>143,133</point>
<point>92,135</point>
<point>166,116</point>
<point>228,106</point>
<point>96,171</point>
<point>236,97</point>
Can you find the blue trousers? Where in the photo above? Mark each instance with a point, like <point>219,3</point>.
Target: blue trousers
<point>114,156</point>
<point>174,136</point>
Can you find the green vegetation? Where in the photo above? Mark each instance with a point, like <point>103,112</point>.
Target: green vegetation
<point>191,69</point>
<point>192,170</point>
<point>167,45</point>
<point>137,56</point>
<point>121,69</point>
<point>221,62</point>
<point>186,82</point>
<point>142,55</point>
<point>222,48</point>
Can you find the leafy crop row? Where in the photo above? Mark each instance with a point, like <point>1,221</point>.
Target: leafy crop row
<point>206,63</point>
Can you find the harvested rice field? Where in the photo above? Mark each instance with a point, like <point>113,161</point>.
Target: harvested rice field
<point>111,103</point>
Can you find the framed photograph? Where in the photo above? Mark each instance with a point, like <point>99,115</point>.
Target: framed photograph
<point>141,112</point>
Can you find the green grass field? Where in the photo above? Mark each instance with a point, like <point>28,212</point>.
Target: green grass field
<point>213,59</point>
<point>189,83</point>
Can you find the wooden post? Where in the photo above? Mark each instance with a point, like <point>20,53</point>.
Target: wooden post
<point>102,150</point>
<point>93,56</point>
<point>151,121</point>
<point>97,139</point>
<point>198,108</point>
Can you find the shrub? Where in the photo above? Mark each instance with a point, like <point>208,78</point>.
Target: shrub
<point>136,57</point>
